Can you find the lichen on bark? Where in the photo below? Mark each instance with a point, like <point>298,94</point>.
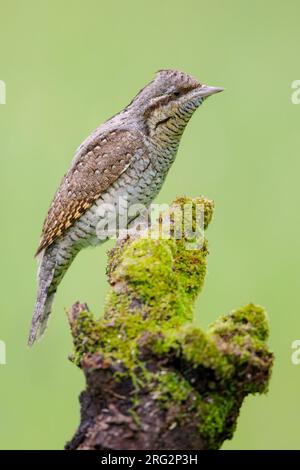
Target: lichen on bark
<point>154,379</point>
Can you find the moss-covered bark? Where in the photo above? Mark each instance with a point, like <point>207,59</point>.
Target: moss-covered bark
<point>154,379</point>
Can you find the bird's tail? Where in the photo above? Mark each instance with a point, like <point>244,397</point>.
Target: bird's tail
<point>45,296</point>
<point>52,267</point>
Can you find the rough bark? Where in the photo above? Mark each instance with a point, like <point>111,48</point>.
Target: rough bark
<point>154,380</point>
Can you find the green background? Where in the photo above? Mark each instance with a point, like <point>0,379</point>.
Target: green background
<point>70,65</point>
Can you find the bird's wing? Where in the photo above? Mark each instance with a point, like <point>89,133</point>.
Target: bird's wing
<point>94,169</point>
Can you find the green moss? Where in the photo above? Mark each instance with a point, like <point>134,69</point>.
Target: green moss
<point>141,266</point>
<point>215,423</point>
<point>199,348</point>
<point>154,286</point>
<point>169,387</point>
<point>142,307</point>
<point>251,319</point>
<point>145,262</point>
<point>213,411</point>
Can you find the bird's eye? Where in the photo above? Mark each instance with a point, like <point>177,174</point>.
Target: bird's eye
<point>176,93</point>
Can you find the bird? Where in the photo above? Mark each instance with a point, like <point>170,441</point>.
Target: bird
<point>129,155</point>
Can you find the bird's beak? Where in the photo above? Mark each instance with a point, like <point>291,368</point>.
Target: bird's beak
<point>206,90</point>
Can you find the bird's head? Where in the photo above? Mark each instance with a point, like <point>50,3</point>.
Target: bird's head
<point>168,102</point>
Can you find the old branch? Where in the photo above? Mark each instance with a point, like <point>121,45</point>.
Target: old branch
<point>154,380</point>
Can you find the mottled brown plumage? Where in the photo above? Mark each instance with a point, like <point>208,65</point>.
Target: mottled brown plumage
<point>96,169</point>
